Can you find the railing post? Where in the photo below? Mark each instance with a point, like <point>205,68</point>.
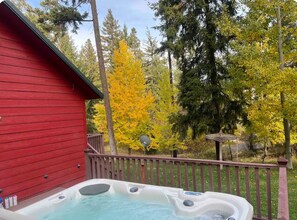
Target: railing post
<point>283,201</point>
<point>142,172</point>
<point>88,171</point>
<point>101,143</point>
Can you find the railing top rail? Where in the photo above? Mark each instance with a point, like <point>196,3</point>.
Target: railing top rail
<point>197,161</point>
<point>95,135</point>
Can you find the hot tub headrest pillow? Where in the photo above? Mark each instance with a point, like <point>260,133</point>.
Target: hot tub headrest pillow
<point>94,189</point>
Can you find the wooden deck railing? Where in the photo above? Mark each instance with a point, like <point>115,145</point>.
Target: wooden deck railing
<point>251,181</point>
<point>97,142</point>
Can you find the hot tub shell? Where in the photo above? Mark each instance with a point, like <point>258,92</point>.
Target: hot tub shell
<point>200,203</point>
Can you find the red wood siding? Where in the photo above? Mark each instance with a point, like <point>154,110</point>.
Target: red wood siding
<point>42,125</point>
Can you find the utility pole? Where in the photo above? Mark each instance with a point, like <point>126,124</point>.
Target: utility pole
<point>103,78</point>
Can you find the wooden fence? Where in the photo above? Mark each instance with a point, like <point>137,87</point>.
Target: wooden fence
<point>251,181</point>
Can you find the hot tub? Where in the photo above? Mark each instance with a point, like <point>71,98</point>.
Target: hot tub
<point>98,199</point>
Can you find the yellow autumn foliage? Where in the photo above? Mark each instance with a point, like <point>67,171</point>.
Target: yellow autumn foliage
<point>256,68</point>
<point>130,99</point>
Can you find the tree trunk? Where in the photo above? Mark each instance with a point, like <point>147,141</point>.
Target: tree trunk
<point>210,43</point>
<point>265,151</point>
<point>103,78</point>
<point>170,75</point>
<point>251,145</point>
<point>170,68</point>
<point>286,122</point>
<point>174,152</point>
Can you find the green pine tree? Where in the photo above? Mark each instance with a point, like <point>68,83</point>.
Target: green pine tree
<point>124,33</point>
<point>88,63</point>
<point>55,17</point>
<point>200,50</point>
<point>134,44</point>
<point>67,47</point>
<point>110,38</point>
<point>150,49</point>
<point>153,64</point>
<point>22,5</point>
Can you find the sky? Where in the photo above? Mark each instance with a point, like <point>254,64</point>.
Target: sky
<point>133,13</point>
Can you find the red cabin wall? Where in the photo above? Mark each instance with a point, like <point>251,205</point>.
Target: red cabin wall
<point>42,124</point>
